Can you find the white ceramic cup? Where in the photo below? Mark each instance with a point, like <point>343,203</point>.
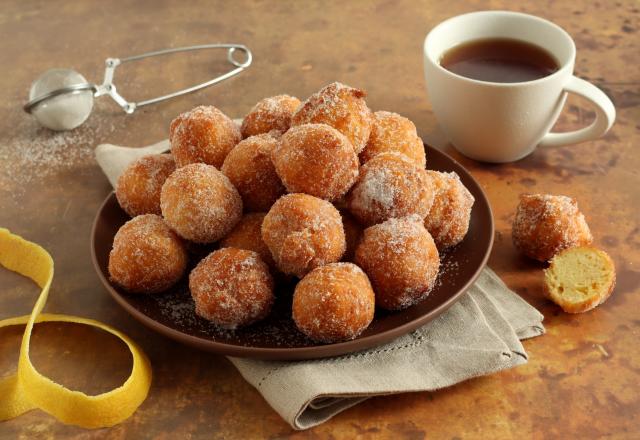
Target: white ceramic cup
<point>504,122</point>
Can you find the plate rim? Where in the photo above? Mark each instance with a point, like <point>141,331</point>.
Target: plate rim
<point>295,353</point>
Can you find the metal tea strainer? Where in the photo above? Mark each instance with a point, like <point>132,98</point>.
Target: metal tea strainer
<point>62,99</point>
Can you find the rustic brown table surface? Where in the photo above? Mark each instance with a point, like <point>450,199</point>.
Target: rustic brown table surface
<point>583,376</point>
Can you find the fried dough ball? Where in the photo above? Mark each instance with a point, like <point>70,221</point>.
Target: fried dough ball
<point>390,185</point>
<point>272,113</point>
<point>202,135</point>
<point>247,235</point>
<point>401,260</point>
<point>448,220</point>
<point>353,233</point>
<point>302,233</point>
<point>200,203</point>
<point>341,107</point>
<point>546,224</point>
<point>138,187</point>
<point>147,256</point>
<point>333,303</point>
<point>232,288</point>
<point>248,166</point>
<point>316,159</point>
<point>392,132</point>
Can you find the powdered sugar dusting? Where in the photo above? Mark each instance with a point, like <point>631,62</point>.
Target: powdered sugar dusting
<point>35,153</point>
<point>376,191</point>
<point>176,309</point>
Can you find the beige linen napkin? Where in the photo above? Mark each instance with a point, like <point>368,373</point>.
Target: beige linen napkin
<point>478,335</point>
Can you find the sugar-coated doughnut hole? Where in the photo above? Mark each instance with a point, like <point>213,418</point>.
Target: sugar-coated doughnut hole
<point>389,186</point>
<point>247,235</point>
<point>392,132</point>
<point>232,288</point>
<point>138,187</point>
<point>546,224</point>
<point>147,256</point>
<point>341,107</point>
<point>448,219</point>
<point>202,135</point>
<point>273,113</point>
<point>249,167</point>
<point>401,260</point>
<point>302,233</point>
<point>316,159</point>
<point>333,303</point>
<point>200,203</point>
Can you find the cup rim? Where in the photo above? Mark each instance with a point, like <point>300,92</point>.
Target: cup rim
<point>561,71</point>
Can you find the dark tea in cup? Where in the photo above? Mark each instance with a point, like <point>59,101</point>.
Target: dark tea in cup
<point>497,82</point>
<point>499,60</point>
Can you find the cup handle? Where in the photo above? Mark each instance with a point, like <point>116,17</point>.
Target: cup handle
<point>605,115</point>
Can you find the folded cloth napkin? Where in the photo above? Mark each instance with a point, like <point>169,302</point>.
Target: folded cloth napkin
<point>480,334</point>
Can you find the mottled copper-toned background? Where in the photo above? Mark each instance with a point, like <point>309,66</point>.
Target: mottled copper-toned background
<point>583,376</point>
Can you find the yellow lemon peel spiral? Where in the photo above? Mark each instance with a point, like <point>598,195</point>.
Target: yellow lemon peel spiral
<point>27,389</point>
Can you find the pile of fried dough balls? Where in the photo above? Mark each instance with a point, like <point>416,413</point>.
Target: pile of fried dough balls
<point>324,190</point>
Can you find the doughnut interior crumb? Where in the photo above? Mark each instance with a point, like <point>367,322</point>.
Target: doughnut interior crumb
<point>580,278</point>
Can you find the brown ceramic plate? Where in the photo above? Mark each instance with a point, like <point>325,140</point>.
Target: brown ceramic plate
<point>172,312</point>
